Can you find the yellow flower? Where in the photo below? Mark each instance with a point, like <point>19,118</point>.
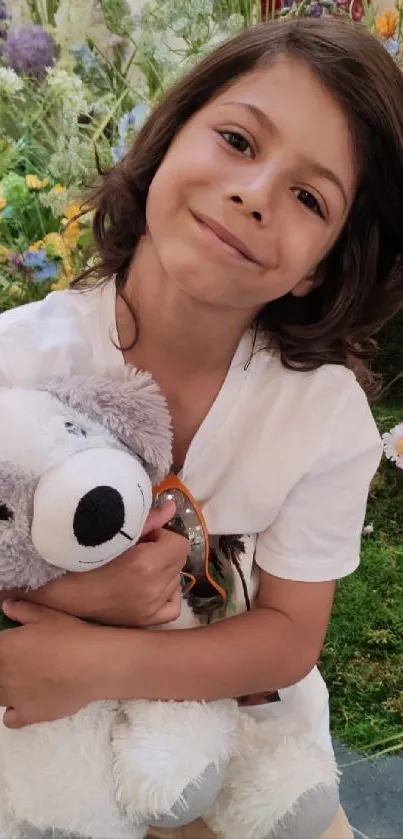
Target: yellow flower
<point>55,242</point>
<point>386,22</point>
<point>57,189</point>
<point>71,233</point>
<point>72,210</point>
<point>15,290</point>
<point>3,202</point>
<point>4,254</point>
<point>36,246</point>
<point>33,182</point>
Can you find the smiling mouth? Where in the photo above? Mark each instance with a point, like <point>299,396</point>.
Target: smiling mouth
<point>225,240</point>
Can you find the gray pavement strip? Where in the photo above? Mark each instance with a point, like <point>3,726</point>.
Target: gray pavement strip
<point>372,794</point>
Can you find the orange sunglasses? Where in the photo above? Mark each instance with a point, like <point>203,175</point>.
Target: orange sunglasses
<point>189,521</point>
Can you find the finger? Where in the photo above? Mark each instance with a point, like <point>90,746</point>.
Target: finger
<point>10,594</point>
<point>171,547</point>
<point>23,611</point>
<point>169,612</point>
<point>173,589</point>
<point>158,517</point>
<point>12,719</point>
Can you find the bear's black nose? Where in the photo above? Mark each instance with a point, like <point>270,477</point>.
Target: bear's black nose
<point>99,516</point>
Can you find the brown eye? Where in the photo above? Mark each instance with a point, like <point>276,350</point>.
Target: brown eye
<point>236,140</point>
<point>310,202</point>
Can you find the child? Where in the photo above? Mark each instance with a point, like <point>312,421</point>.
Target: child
<point>250,245</point>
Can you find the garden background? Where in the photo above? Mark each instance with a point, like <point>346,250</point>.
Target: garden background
<point>77,79</point>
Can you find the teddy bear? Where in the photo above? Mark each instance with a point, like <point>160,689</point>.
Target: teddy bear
<point>79,457</point>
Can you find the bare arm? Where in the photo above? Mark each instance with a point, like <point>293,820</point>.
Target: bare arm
<point>267,649</point>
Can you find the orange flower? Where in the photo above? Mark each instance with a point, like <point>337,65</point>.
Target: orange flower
<point>71,233</point>
<point>386,22</point>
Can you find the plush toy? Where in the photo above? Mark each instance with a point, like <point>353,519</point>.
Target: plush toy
<point>78,461</point>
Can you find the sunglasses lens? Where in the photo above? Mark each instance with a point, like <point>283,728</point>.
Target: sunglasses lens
<point>186,522</point>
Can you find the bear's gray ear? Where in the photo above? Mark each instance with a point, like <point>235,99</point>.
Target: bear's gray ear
<point>20,564</point>
<point>129,404</point>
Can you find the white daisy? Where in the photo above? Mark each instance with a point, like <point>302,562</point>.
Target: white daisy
<point>393,445</point>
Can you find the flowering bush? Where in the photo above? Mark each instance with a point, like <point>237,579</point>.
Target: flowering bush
<point>68,98</point>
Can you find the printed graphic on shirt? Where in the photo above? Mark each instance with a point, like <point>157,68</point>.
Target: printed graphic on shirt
<point>230,566</point>
<point>225,560</point>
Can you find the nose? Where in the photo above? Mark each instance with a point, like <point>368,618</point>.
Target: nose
<point>99,517</point>
<point>256,214</point>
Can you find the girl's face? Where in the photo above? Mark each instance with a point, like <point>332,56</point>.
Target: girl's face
<point>254,190</point>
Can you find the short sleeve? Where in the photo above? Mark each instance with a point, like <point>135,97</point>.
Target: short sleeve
<point>316,535</point>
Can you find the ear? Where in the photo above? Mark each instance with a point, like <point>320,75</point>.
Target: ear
<point>128,403</point>
<point>20,564</point>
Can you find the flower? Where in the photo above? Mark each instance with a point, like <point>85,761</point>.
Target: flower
<point>43,268</point>
<point>72,210</point>
<point>393,445</point>
<point>29,50</point>
<point>55,200</point>
<point>130,123</point>
<point>5,253</point>
<point>5,17</point>
<point>385,23</point>
<point>10,83</point>
<point>392,45</point>
<point>66,86</point>
<point>14,189</point>
<point>54,245</point>
<point>71,234</point>
<point>57,189</point>
<point>3,202</point>
<point>15,290</point>
<point>368,529</point>
<point>33,182</point>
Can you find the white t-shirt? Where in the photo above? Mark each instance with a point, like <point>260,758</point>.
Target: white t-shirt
<point>281,465</point>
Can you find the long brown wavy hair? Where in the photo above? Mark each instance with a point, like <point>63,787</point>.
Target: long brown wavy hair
<point>363,274</point>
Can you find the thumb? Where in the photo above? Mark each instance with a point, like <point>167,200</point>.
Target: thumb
<point>11,718</point>
<point>22,611</point>
<point>158,517</point>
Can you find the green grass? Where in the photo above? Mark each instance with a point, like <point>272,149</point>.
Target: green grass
<point>363,657</point>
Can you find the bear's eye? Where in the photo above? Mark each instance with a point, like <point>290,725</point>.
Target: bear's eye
<point>76,430</point>
<point>5,513</point>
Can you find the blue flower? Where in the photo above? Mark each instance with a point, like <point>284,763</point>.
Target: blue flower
<point>392,45</point>
<point>117,153</point>
<point>86,58</point>
<point>44,269</point>
<point>132,120</point>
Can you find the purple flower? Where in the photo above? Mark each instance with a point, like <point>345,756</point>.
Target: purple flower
<point>4,19</point>
<point>29,50</point>
<point>43,268</point>
<point>315,10</point>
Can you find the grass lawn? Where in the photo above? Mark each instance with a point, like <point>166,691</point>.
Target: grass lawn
<point>363,658</point>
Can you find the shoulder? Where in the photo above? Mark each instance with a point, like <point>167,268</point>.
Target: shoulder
<point>54,336</point>
<point>327,403</point>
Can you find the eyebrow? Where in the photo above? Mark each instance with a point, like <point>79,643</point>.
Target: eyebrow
<point>317,168</point>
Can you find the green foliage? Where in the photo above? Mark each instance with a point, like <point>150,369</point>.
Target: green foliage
<point>363,657</point>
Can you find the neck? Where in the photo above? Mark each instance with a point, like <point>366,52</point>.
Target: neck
<point>172,329</point>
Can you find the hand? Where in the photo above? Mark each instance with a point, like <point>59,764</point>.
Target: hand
<point>139,588</point>
<point>50,666</point>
